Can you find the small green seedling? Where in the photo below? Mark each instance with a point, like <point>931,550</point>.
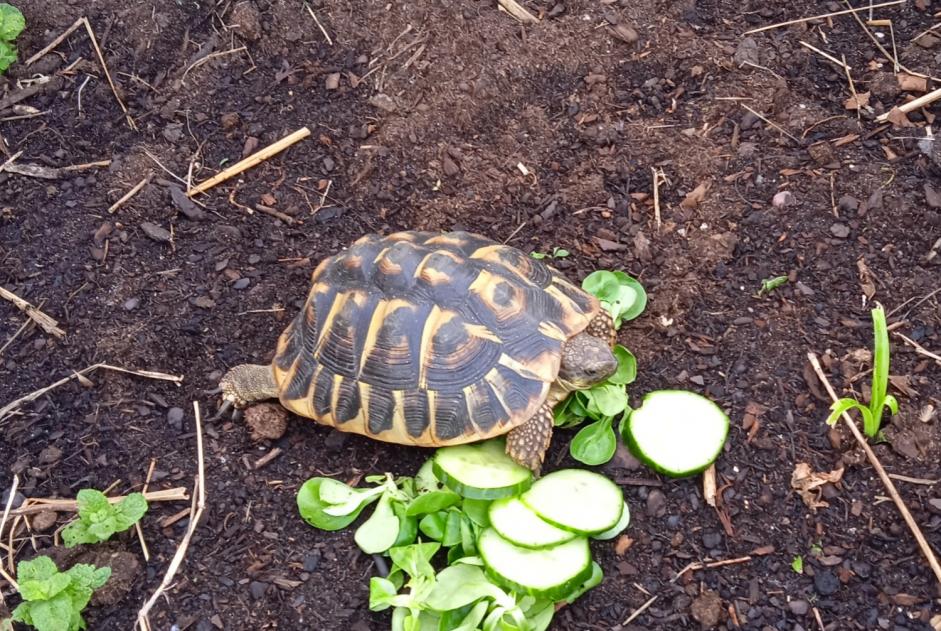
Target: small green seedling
<point>12,24</point>
<point>620,294</point>
<point>54,600</point>
<point>557,253</point>
<point>797,564</point>
<point>770,284</point>
<point>872,415</point>
<point>98,518</point>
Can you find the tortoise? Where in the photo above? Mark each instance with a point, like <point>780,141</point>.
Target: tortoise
<point>432,339</point>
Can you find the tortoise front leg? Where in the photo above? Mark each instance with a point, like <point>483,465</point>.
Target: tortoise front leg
<point>527,444</point>
<point>247,383</point>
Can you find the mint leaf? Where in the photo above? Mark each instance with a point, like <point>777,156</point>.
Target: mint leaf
<point>7,55</point>
<point>44,589</point>
<point>36,569</point>
<point>53,615</point>
<point>130,510</point>
<point>91,500</point>
<point>12,22</point>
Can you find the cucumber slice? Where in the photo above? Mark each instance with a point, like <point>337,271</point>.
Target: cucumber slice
<point>481,471</point>
<point>676,432</point>
<point>576,500</point>
<point>547,573</point>
<point>518,524</point>
<point>618,528</point>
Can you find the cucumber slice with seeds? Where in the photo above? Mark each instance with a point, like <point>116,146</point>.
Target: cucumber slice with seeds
<point>548,573</point>
<point>676,432</point>
<point>518,524</point>
<point>576,500</point>
<point>481,471</point>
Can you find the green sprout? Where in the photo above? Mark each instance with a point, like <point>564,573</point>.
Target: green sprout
<point>557,253</point>
<point>98,518</point>
<point>12,24</point>
<point>872,415</point>
<point>797,564</point>
<point>770,284</point>
<point>54,600</point>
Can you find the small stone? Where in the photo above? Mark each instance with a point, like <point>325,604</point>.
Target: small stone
<point>241,283</point>
<point>44,520</point>
<point>656,503</point>
<point>706,609</point>
<point>257,589</point>
<point>173,132</point>
<point>50,455</point>
<point>155,232</point>
<point>932,196</point>
<point>625,33</point>
<point>267,421</point>
<point>840,230</point>
<point>826,583</point>
<point>450,167</point>
<point>332,82</point>
<point>329,164</point>
<point>131,303</point>
<point>711,539</point>
<point>929,40</point>
<point>175,418</point>
<point>782,199</point>
<point>746,53</point>
<point>204,302</point>
<point>848,203</point>
<point>384,102</point>
<point>185,205</point>
<point>798,607</point>
<point>18,499</point>
<point>312,561</point>
<point>747,150</point>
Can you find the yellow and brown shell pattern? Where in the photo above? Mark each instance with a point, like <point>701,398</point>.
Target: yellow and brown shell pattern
<point>428,339</point>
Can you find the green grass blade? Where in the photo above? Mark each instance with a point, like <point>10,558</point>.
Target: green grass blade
<point>843,405</point>
<point>880,369</point>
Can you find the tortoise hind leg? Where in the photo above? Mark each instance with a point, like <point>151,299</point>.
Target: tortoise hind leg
<point>527,444</point>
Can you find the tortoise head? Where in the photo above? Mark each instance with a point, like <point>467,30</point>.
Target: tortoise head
<point>586,360</point>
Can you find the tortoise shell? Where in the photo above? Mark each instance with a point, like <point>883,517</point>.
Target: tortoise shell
<point>428,339</point>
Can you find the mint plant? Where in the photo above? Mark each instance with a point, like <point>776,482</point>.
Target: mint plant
<point>54,600</point>
<point>12,24</point>
<point>98,518</point>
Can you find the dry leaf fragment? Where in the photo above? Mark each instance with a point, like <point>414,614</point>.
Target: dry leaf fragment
<point>911,83</point>
<point>857,101</point>
<point>898,118</point>
<point>695,196</point>
<point>866,281</point>
<point>805,481</point>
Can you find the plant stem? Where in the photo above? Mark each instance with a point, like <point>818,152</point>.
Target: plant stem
<point>880,370</point>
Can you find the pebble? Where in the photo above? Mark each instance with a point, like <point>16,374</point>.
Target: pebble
<point>241,283</point>
<point>332,81</point>
<point>826,583</point>
<point>175,418</point>
<point>625,33</point>
<point>18,499</point>
<point>706,609</point>
<point>50,455</point>
<point>131,303</point>
<point>247,21</point>
<point>711,539</point>
<point>257,589</point>
<point>799,607</point>
<point>185,205</point>
<point>840,230</point>
<point>656,503</point>
<point>155,232</point>
<point>848,203</point>
<point>44,520</point>
<point>312,561</point>
<point>384,102</point>
<point>746,52</point>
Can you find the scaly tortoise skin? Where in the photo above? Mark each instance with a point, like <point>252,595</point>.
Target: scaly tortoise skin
<point>433,339</point>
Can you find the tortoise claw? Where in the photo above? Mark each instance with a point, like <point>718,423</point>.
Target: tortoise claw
<point>227,404</point>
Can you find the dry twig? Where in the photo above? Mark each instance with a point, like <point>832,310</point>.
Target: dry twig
<point>9,408</point>
<point>772,123</point>
<point>921,350</point>
<point>48,324</point>
<point>518,11</point>
<point>131,193</point>
<point>639,611</point>
<point>196,511</point>
<point>914,104</point>
<point>886,481</point>
<point>39,504</point>
<point>3,521</point>
<point>699,565</point>
<point>824,16</point>
<point>319,25</point>
<point>252,160</point>
<point>656,195</point>
<point>825,55</point>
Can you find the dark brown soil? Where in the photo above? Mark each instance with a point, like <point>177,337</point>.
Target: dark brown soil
<point>433,107</point>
